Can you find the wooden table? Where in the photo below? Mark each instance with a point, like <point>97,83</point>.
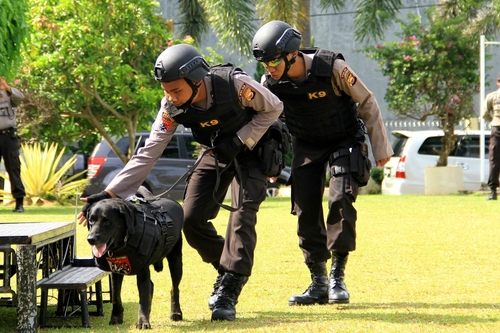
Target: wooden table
<point>54,242</point>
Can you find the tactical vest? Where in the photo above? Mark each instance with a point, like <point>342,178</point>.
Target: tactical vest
<point>313,112</point>
<point>224,118</point>
<point>151,241</point>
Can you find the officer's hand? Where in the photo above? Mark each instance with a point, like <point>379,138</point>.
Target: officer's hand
<point>383,162</point>
<point>82,216</point>
<point>227,149</point>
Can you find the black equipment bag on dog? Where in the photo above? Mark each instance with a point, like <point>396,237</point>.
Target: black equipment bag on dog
<point>151,231</point>
<point>272,148</point>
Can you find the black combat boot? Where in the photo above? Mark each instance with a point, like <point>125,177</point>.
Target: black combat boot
<point>227,296</point>
<point>493,194</point>
<point>19,206</point>
<point>213,296</point>
<point>317,292</point>
<point>338,291</point>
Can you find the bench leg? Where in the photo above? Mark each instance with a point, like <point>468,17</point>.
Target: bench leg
<point>98,297</point>
<point>43,307</point>
<point>84,308</point>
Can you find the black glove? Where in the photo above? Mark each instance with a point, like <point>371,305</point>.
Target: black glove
<point>228,148</point>
<point>91,199</point>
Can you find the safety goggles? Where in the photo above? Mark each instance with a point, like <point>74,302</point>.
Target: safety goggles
<point>272,63</point>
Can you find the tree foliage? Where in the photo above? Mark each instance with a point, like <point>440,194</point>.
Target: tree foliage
<point>90,64</point>
<point>432,72</point>
<point>13,34</point>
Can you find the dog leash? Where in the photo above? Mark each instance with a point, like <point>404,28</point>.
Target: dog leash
<point>185,175</point>
<point>190,171</point>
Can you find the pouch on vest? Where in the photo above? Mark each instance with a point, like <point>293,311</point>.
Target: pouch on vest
<point>272,148</point>
<point>360,164</point>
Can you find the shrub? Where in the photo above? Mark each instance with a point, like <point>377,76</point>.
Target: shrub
<point>41,177</point>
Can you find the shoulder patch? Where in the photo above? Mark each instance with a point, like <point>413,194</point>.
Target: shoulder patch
<point>246,92</point>
<point>348,77</point>
<point>167,120</point>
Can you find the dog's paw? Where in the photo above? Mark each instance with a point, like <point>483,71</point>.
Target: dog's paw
<point>116,319</point>
<point>143,326</point>
<point>176,316</point>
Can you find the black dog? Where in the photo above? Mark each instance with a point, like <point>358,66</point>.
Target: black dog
<point>127,238</point>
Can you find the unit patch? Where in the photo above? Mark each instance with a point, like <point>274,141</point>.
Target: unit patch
<point>349,77</point>
<point>167,120</point>
<point>316,95</point>
<point>120,265</point>
<point>246,92</point>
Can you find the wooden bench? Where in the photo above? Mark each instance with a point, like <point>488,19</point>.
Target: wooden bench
<point>72,283</point>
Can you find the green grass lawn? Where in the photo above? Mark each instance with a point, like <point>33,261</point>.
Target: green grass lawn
<point>422,264</point>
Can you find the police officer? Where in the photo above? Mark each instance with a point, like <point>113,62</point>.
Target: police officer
<point>229,112</point>
<point>10,98</point>
<point>491,113</point>
<point>324,101</point>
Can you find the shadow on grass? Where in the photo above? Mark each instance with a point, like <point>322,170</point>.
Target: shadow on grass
<point>398,313</point>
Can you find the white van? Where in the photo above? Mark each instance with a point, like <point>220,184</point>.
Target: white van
<point>416,150</point>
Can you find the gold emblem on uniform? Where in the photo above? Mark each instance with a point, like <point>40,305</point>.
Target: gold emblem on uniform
<point>167,120</point>
<point>316,94</point>
<point>348,77</point>
<point>246,92</point>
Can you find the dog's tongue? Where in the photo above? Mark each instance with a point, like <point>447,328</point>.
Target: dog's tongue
<point>99,250</point>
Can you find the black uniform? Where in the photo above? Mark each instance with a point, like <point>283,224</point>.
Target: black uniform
<point>323,111</point>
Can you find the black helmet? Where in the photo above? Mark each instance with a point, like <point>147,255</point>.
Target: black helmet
<point>181,61</point>
<point>273,39</point>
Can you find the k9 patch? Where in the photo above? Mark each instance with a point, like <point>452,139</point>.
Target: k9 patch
<point>120,265</point>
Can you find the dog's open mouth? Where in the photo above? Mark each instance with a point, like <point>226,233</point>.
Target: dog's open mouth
<point>99,250</point>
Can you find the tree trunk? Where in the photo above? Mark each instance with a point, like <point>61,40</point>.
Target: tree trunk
<point>448,140</point>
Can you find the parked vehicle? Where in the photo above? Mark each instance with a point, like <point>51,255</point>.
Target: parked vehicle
<point>177,158</point>
<point>416,150</point>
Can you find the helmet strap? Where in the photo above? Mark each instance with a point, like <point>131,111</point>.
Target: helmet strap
<point>194,88</point>
<point>288,65</point>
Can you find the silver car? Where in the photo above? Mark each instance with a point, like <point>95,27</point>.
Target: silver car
<point>416,150</point>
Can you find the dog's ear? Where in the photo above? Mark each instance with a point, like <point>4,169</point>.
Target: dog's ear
<point>128,213</point>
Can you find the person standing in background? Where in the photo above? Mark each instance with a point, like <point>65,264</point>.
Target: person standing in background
<point>491,113</point>
<point>10,98</point>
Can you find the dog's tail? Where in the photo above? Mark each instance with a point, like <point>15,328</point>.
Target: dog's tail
<point>158,266</point>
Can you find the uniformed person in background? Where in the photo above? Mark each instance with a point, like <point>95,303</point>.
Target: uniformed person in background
<point>10,98</point>
<point>226,110</point>
<point>326,104</point>
<point>491,113</point>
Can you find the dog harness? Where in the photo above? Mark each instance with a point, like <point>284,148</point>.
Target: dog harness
<point>151,241</point>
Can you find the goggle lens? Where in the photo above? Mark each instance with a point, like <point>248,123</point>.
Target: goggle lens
<point>272,63</point>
